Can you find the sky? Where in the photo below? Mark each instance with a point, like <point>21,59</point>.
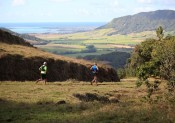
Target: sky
<point>76,10</point>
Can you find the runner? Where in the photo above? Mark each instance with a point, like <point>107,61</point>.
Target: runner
<point>94,70</point>
<point>43,70</point>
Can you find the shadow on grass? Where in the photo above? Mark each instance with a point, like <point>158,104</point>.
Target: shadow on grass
<point>41,111</point>
<point>90,97</point>
<point>85,112</point>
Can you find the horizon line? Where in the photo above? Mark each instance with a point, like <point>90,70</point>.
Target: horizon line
<point>61,22</point>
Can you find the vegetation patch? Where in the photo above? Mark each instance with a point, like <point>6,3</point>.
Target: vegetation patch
<point>89,97</point>
<point>107,102</point>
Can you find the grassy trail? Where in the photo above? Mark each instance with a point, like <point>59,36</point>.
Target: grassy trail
<point>34,103</point>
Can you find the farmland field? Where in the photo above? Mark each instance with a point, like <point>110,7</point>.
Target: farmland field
<point>75,101</point>
<point>72,44</point>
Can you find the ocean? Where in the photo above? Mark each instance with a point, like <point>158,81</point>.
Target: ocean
<point>52,27</point>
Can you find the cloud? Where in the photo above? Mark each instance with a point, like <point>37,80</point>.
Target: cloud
<point>18,2</point>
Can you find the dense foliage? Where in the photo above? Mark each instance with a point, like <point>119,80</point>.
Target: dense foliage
<point>154,58</point>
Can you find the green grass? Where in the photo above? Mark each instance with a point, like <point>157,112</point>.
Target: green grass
<point>99,52</point>
<point>99,38</point>
<point>34,103</point>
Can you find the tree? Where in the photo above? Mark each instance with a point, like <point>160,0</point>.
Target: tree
<point>89,49</point>
<point>155,57</point>
<point>141,57</point>
<point>165,54</point>
<point>159,32</point>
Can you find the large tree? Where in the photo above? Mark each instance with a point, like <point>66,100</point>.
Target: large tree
<point>154,57</point>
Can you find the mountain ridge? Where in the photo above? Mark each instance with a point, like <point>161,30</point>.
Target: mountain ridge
<point>144,21</point>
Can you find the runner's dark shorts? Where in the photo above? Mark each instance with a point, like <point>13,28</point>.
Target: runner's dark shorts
<point>43,76</point>
<point>94,73</point>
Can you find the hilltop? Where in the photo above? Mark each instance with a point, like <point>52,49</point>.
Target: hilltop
<point>29,38</point>
<point>6,37</point>
<point>20,61</point>
<point>144,21</point>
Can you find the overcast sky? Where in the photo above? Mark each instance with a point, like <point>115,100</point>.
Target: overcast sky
<point>76,10</point>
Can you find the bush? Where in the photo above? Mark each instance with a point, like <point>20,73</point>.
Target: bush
<point>121,73</point>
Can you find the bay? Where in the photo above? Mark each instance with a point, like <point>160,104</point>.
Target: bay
<point>51,27</point>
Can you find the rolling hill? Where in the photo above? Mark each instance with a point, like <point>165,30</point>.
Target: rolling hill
<point>144,21</point>
<point>7,37</point>
<point>20,61</point>
<point>29,38</point>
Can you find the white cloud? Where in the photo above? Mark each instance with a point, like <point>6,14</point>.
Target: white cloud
<point>18,2</point>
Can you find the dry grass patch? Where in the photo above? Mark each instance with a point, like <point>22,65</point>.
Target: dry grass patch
<point>56,91</point>
<point>30,102</point>
<point>28,52</point>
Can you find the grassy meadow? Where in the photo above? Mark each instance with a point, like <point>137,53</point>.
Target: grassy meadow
<point>72,44</point>
<point>79,102</point>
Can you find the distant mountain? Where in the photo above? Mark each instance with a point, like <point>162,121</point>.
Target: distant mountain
<point>19,61</point>
<point>27,37</point>
<point>144,21</point>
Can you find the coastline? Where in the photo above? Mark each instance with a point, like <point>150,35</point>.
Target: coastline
<point>51,27</point>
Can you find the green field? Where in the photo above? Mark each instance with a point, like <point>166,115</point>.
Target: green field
<point>103,42</point>
<point>117,102</point>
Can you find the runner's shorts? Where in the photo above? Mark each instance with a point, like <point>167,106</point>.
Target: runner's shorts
<point>94,73</point>
<point>43,76</point>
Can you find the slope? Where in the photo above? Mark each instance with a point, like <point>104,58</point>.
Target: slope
<point>144,21</point>
<point>21,62</point>
<point>29,38</point>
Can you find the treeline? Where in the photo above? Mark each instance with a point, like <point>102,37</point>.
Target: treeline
<point>153,57</point>
<point>115,59</point>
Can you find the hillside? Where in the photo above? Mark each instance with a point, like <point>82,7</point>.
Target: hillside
<point>20,61</point>
<point>32,39</point>
<point>144,21</point>
<point>116,59</point>
<point>6,37</point>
